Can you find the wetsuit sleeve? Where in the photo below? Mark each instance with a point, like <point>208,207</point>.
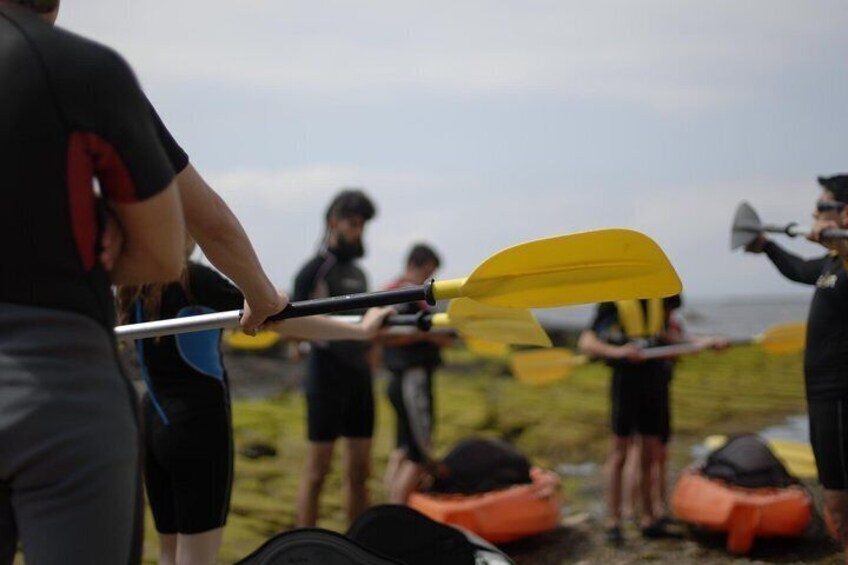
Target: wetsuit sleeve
<point>304,282</point>
<point>112,133</point>
<point>605,316</point>
<point>806,271</point>
<point>208,288</point>
<point>176,155</point>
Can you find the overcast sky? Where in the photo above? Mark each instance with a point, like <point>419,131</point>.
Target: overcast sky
<point>477,124</point>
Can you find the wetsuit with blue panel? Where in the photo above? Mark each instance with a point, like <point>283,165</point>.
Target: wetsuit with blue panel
<point>189,459</point>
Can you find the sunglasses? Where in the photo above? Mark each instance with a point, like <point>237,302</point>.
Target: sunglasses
<point>830,206</point>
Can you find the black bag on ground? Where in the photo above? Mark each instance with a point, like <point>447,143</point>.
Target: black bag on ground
<point>746,461</point>
<point>314,546</point>
<point>414,539</point>
<point>482,465</point>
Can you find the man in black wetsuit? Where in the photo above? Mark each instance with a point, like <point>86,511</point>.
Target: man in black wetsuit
<point>71,112</point>
<point>826,353</point>
<point>339,396</point>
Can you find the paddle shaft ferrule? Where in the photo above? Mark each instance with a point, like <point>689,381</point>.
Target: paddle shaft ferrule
<point>445,290</point>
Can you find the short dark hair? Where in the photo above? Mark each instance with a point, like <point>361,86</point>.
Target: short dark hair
<point>40,6</point>
<point>837,185</point>
<point>421,254</point>
<point>351,202</point>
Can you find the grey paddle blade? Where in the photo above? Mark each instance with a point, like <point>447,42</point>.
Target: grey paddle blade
<point>746,226</point>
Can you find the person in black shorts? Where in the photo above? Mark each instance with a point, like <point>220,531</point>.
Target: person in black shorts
<point>188,428</point>
<point>640,398</point>
<point>826,352</point>
<point>412,361</point>
<point>72,113</point>
<point>339,397</point>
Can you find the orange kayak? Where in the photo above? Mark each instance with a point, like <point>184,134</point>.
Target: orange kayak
<point>499,516</point>
<point>744,513</point>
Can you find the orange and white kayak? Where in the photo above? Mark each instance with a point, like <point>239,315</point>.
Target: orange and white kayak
<point>499,516</point>
<point>744,513</point>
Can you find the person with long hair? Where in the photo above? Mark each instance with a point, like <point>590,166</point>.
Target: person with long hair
<point>188,429</point>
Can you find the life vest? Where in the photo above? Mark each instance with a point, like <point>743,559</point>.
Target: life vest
<point>631,318</point>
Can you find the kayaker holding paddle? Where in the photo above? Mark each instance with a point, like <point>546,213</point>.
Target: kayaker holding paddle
<point>640,400</point>
<point>412,360</point>
<point>339,395</point>
<point>826,352</point>
<point>72,113</point>
<point>188,428</point>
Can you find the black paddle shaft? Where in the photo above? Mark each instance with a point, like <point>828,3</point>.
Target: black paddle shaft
<point>423,321</point>
<point>336,304</point>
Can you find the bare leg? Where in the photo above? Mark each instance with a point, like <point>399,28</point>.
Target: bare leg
<point>199,549</point>
<point>396,458</point>
<point>836,502</point>
<point>357,467</point>
<point>167,549</point>
<point>630,481</point>
<point>406,482</point>
<point>659,475</point>
<point>615,466</point>
<point>647,485</point>
<point>319,456</point>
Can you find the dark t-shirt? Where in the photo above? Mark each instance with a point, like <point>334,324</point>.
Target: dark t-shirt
<point>826,352</point>
<point>72,111</point>
<point>336,361</point>
<point>176,383</point>
<point>419,354</point>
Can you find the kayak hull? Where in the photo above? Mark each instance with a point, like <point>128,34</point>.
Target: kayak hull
<point>743,513</point>
<point>500,516</point>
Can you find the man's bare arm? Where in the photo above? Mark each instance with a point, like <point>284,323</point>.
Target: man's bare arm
<point>218,232</point>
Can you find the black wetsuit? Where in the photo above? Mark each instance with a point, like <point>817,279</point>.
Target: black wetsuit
<point>410,388</point>
<point>340,400</point>
<point>639,391</point>
<point>825,359</point>
<point>189,459</point>
<point>72,111</point>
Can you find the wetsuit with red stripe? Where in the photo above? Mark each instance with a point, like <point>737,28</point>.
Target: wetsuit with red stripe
<point>71,113</point>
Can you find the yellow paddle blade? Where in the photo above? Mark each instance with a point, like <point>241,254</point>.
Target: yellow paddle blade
<point>485,348</point>
<point>543,366</point>
<point>493,323</point>
<point>784,338</point>
<point>582,268</point>
<point>243,342</point>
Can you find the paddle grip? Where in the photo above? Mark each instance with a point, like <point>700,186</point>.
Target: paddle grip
<point>348,302</point>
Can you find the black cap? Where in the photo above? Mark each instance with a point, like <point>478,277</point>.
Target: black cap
<point>837,185</point>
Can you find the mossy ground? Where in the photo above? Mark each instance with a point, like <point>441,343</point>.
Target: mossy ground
<point>565,422</point>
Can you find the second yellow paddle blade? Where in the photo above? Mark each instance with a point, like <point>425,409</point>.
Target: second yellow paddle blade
<point>261,341</point>
<point>784,338</point>
<point>543,366</point>
<point>485,348</point>
<point>582,268</point>
<point>494,323</point>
